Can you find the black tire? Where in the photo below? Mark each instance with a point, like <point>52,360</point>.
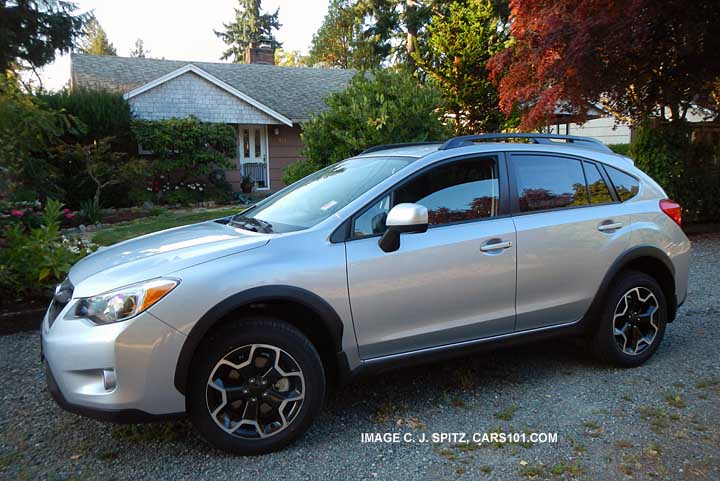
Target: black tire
<point>230,338</point>
<point>604,341</point>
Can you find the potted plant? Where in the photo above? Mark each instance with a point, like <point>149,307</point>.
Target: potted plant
<point>247,184</point>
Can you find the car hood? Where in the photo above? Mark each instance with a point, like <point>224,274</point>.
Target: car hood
<point>159,254</point>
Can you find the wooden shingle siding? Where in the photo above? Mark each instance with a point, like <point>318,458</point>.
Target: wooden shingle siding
<point>284,149</point>
<point>190,94</point>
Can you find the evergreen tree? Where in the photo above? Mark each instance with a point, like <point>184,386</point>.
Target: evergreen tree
<point>96,40</point>
<point>250,26</point>
<point>290,58</point>
<point>340,41</point>
<point>139,50</point>
<point>459,42</point>
<point>32,32</point>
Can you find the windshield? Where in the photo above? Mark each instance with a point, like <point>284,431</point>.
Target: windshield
<point>318,196</point>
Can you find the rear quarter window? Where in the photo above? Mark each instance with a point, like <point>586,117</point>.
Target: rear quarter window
<point>626,185</point>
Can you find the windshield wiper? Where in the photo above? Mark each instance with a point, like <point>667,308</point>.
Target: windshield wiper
<point>252,224</point>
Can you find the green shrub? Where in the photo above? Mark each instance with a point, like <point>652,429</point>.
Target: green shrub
<point>662,152</point>
<point>378,108</point>
<point>35,259</point>
<point>91,211</point>
<point>27,130</point>
<point>185,152</point>
<point>688,171</point>
<point>49,135</point>
<point>181,196</point>
<point>185,147</point>
<point>298,170</point>
<point>622,149</point>
<point>101,114</point>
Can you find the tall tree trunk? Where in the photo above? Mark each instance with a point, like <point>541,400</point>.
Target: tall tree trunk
<point>411,20</point>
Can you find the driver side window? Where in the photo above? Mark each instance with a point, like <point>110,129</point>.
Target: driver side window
<point>459,191</point>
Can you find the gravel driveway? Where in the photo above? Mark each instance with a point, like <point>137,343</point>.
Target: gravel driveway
<point>659,421</point>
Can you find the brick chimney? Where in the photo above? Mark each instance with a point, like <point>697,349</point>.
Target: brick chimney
<point>262,54</point>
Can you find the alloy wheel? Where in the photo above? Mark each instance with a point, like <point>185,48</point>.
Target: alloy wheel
<point>255,391</point>
<point>635,322</point>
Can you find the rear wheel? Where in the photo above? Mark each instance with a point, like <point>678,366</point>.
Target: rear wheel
<point>633,321</point>
<point>255,387</point>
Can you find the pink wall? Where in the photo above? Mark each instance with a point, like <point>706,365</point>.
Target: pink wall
<point>283,149</point>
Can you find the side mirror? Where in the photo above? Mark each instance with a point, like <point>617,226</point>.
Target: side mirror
<point>403,218</point>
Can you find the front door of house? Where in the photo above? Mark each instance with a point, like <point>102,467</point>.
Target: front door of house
<point>252,152</point>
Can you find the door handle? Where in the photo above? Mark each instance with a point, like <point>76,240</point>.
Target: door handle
<point>609,226</point>
<point>496,246</point>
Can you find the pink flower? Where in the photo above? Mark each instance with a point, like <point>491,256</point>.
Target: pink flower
<point>66,210</point>
<point>17,213</point>
<point>68,215</point>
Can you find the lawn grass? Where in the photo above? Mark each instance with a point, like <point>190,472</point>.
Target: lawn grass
<point>166,220</point>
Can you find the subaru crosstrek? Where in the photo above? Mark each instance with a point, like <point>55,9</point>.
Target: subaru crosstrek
<point>404,253</point>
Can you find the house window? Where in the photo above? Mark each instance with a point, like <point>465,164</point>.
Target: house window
<point>246,143</point>
<point>258,149</point>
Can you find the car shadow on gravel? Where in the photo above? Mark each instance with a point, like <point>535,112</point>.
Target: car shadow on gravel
<point>412,389</point>
<point>429,384</point>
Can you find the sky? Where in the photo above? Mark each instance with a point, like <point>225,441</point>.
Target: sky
<point>183,29</point>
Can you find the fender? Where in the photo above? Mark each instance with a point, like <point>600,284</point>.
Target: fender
<point>327,315</point>
<point>620,263</point>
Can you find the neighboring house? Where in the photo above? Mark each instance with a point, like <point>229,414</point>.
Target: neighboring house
<point>263,102</point>
<point>599,125</point>
<point>605,129</point>
<point>602,126</point>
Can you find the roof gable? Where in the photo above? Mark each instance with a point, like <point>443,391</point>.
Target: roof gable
<point>219,83</point>
<point>296,93</point>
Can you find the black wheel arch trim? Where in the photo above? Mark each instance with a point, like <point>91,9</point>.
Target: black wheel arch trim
<point>327,315</point>
<point>632,254</point>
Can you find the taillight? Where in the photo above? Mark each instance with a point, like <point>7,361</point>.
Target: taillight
<point>672,209</point>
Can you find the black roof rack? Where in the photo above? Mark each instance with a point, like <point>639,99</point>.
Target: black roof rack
<point>393,146</point>
<point>585,142</point>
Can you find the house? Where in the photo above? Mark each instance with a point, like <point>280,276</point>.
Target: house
<point>600,125</point>
<point>264,103</point>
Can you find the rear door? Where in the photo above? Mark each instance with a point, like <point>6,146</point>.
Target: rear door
<point>447,285</point>
<point>570,229</point>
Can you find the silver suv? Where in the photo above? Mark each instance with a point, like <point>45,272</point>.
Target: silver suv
<point>403,253</point>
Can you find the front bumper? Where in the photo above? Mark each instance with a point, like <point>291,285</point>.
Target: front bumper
<point>141,352</point>
<point>123,416</point>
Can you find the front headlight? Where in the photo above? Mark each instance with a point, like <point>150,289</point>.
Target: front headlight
<point>124,303</point>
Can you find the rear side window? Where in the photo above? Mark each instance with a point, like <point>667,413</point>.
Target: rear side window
<point>599,190</point>
<point>549,182</point>
<point>626,186</point>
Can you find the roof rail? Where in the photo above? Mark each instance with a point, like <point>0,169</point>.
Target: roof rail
<point>584,142</point>
<point>393,146</point>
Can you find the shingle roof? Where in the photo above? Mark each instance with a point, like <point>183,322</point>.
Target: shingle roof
<point>295,92</point>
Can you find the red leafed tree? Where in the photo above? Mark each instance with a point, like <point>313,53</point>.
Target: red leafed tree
<point>632,56</point>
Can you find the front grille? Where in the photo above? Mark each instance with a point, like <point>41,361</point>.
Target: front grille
<point>63,295</point>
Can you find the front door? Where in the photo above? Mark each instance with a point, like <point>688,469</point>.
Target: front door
<point>443,286</point>
<point>252,152</point>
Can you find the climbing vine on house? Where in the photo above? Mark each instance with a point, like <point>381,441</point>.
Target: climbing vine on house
<point>185,152</point>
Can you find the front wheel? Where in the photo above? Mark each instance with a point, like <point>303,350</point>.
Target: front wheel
<point>633,321</point>
<point>256,386</point>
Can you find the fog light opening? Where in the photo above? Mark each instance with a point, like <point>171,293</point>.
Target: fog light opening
<point>109,380</point>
